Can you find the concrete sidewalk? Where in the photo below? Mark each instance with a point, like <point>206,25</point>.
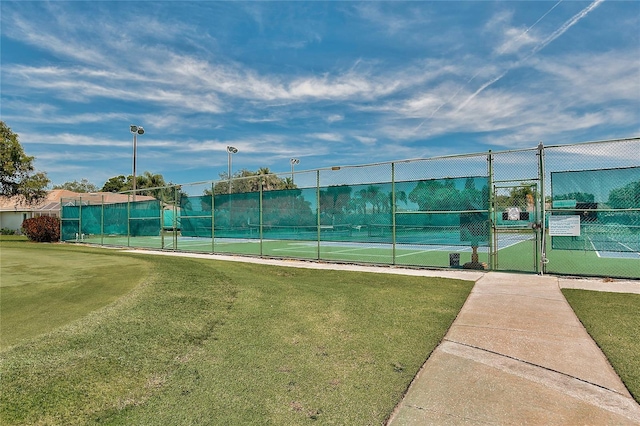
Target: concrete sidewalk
<point>517,354</point>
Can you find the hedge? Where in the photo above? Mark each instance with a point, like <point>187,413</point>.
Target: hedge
<point>43,229</point>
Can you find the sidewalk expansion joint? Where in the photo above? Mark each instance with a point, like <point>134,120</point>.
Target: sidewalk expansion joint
<point>485,327</point>
<point>528,296</point>
<point>448,414</point>
<point>584,390</point>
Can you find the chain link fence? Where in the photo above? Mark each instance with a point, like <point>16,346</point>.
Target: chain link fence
<point>572,209</point>
<point>593,208</point>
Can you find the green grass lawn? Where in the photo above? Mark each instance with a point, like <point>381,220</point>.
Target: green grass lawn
<point>173,340</point>
<point>613,321</point>
<point>44,286</point>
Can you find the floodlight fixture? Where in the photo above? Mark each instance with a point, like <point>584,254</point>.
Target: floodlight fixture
<point>230,150</point>
<point>293,161</point>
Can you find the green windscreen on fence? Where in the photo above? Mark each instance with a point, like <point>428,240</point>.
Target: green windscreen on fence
<point>115,219</point>
<point>170,220</point>
<point>91,219</point>
<point>144,218</point>
<point>237,215</point>
<point>140,218</point>
<point>70,218</point>
<point>347,212</point>
<point>288,215</point>
<point>195,216</point>
<point>450,211</point>
<point>602,205</point>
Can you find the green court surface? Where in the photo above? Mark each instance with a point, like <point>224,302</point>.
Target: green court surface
<point>340,251</point>
<point>515,252</point>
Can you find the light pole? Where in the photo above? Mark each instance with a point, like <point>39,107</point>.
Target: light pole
<point>230,150</point>
<point>135,130</point>
<point>293,161</point>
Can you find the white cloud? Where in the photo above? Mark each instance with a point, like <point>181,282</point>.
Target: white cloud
<point>595,78</point>
<point>30,32</point>
<point>43,116</point>
<point>366,140</point>
<point>329,137</point>
<point>69,139</point>
<point>392,20</point>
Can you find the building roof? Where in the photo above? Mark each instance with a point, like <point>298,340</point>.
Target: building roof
<point>52,201</point>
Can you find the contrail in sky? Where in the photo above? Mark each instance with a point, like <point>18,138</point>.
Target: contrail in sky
<point>557,33</point>
<point>522,34</point>
<point>504,48</point>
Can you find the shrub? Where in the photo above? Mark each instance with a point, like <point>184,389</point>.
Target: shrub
<point>7,231</point>
<point>43,229</point>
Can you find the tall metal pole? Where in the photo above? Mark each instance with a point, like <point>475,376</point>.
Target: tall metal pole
<point>294,161</point>
<point>229,168</point>
<point>230,150</point>
<point>135,134</point>
<point>135,130</point>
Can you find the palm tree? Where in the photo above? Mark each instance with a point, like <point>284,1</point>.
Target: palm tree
<point>155,184</point>
<point>400,196</point>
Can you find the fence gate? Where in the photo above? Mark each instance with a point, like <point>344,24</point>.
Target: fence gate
<point>516,235</point>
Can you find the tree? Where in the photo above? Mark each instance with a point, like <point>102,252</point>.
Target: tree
<point>153,185</point>
<point>247,181</point>
<point>370,195</point>
<point>83,186</point>
<point>149,184</point>
<point>115,184</point>
<point>580,197</point>
<point>626,197</point>
<point>17,174</point>
<point>334,201</point>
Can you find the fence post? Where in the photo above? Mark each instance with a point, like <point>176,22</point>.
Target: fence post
<point>541,266</point>
<point>128,220</point>
<point>174,231</point>
<point>80,222</point>
<point>260,213</point>
<point>61,218</point>
<point>102,220</point>
<point>318,209</point>
<point>393,213</point>
<point>162,223</point>
<point>213,219</point>
<point>493,243</point>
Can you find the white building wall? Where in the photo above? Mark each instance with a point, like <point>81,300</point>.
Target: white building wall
<point>13,220</point>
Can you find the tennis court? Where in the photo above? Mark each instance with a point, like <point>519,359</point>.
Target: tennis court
<point>420,246</point>
<point>606,240</point>
<point>425,212</point>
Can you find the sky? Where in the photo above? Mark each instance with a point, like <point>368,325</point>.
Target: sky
<point>329,83</point>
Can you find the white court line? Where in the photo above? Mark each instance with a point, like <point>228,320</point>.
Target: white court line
<point>631,250</point>
<point>350,246</point>
<point>411,253</point>
<point>594,247</point>
<point>361,251</point>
